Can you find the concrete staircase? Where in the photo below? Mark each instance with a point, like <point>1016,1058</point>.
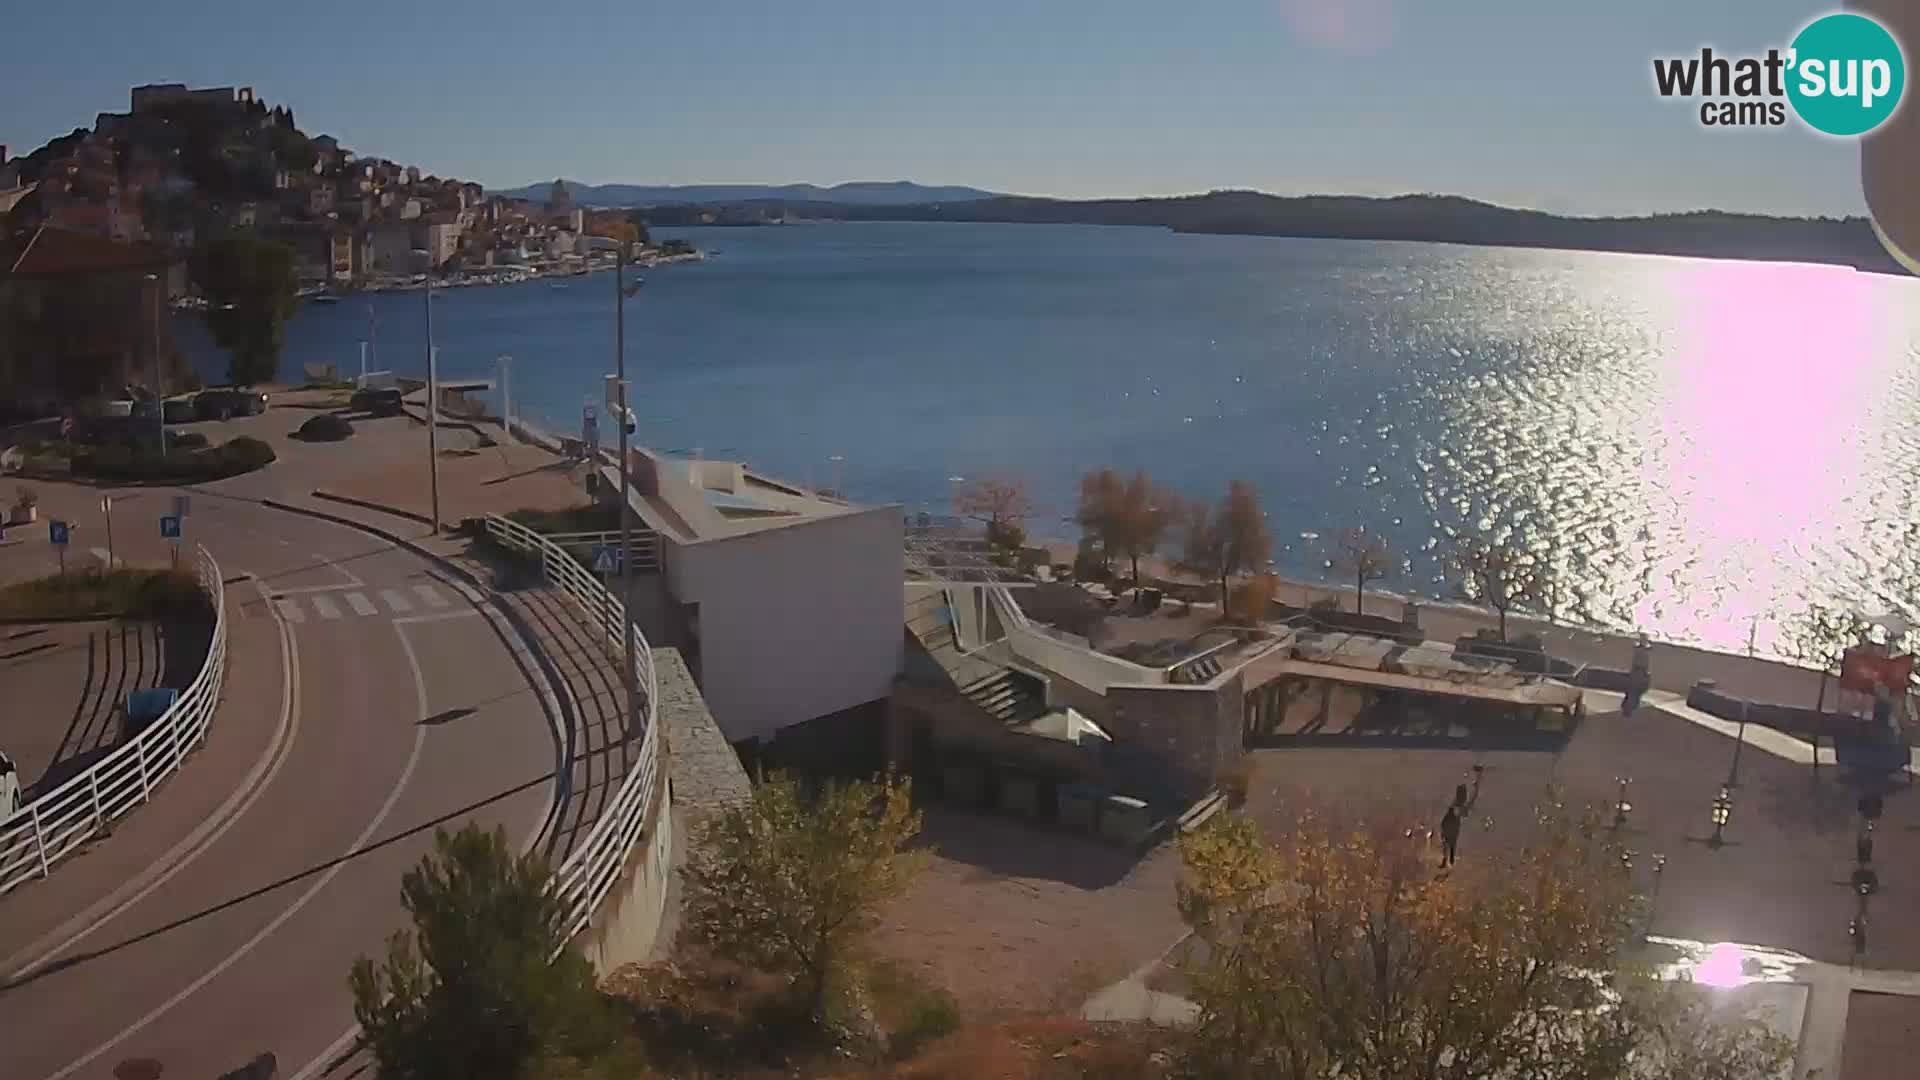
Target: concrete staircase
<point>1012,697</point>
<point>1008,695</point>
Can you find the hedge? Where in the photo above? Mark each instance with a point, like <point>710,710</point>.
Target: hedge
<point>120,463</point>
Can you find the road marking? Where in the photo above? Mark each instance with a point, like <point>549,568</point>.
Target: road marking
<point>445,616</point>
<point>379,818</point>
<point>431,595</point>
<point>251,788</point>
<point>360,604</point>
<point>396,600</point>
<point>325,606</point>
<point>290,610</point>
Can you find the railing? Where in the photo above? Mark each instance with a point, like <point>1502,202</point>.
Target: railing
<point>643,545</point>
<point>594,865</point>
<point>54,825</point>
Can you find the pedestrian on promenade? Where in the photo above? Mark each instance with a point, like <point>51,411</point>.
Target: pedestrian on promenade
<point>1460,797</point>
<point>1450,836</point>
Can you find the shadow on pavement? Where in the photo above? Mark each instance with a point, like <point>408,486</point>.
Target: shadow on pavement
<point>80,958</point>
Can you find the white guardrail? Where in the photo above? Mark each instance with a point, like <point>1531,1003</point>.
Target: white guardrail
<point>54,825</point>
<point>594,865</point>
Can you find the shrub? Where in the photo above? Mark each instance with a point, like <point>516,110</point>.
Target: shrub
<point>121,591</point>
<point>188,440</point>
<point>325,427</point>
<point>184,465</point>
<point>246,452</point>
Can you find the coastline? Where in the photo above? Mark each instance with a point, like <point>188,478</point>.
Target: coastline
<point>1676,665</point>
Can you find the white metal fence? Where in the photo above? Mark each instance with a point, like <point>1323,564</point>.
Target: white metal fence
<point>55,824</point>
<point>594,865</point>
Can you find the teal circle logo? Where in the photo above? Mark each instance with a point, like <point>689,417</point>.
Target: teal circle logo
<point>1847,74</point>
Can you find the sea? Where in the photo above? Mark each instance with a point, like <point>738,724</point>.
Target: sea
<point>1700,449</point>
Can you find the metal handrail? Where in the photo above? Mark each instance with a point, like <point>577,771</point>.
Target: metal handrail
<point>593,867</point>
<point>54,825</point>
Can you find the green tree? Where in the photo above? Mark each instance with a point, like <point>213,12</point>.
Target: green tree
<point>790,885</point>
<point>482,986</point>
<point>1101,493</point>
<point>249,285</point>
<point>1343,953</point>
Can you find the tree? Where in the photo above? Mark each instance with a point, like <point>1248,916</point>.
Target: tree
<point>1499,575</point>
<point>1101,493</point>
<point>790,885</point>
<point>1228,540</point>
<point>1823,640</point>
<point>249,285</point>
<point>1141,517</point>
<point>1364,557</point>
<point>998,502</point>
<point>1343,953</point>
<point>482,986</point>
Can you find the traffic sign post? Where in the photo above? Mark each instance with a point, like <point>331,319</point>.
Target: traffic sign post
<point>603,563</point>
<point>58,534</point>
<point>106,507</point>
<point>170,530</point>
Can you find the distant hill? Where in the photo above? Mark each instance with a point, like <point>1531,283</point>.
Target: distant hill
<point>857,193</point>
<point>1433,218</point>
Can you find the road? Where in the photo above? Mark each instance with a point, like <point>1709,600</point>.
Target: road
<point>407,710</point>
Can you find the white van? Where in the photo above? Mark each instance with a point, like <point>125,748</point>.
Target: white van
<point>9,788</point>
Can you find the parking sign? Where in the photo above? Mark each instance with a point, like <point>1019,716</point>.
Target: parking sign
<point>169,527</point>
<point>57,532</point>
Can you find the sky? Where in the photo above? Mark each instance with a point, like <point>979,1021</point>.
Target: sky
<point>1547,104</point>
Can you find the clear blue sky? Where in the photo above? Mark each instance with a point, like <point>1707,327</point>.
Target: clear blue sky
<point>1525,102</point>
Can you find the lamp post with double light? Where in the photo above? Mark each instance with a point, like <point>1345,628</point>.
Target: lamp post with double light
<point>1722,814</point>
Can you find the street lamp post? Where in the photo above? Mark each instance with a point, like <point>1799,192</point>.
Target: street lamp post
<point>1722,813</point>
<point>433,405</point>
<point>1653,900</point>
<point>1621,807</point>
<point>620,294</point>
<point>159,407</point>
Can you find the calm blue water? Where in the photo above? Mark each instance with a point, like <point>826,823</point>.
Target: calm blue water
<point>1694,444</point>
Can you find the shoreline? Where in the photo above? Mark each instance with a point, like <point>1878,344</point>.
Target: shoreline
<point>1676,665</point>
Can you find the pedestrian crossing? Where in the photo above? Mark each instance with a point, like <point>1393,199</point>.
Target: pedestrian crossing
<point>327,606</point>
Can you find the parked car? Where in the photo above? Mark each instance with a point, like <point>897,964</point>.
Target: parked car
<point>377,402</point>
<point>226,402</point>
<point>180,410</point>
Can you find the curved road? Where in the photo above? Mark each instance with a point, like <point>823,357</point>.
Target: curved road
<point>408,710</point>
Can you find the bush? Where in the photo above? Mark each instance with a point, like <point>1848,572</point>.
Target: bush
<point>188,440</point>
<point>325,427</point>
<point>1253,602</point>
<point>183,466</point>
<point>122,592</point>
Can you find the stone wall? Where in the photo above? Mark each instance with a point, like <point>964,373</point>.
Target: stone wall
<point>1193,732</point>
<point>700,776</point>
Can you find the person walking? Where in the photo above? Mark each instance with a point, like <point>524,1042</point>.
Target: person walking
<point>1450,836</point>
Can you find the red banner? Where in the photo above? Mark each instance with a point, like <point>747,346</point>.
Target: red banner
<point>1866,669</point>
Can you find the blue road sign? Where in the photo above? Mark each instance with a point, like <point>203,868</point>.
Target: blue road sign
<point>169,527</point>
<point>57,532</point>
<point>604,559</point>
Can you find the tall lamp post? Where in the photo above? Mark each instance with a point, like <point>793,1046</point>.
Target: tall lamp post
<point>159,406</point>
<point>433,406</point>
<point>625,418</point>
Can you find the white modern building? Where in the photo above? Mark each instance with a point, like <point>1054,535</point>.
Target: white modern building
<point>785,603</point>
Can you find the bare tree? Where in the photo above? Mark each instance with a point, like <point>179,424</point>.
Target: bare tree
<point>1230,539</point>
<point>1364,557</point>
<point>1099,516</point>
<point>1499,575</point>
<point>998,502</point>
